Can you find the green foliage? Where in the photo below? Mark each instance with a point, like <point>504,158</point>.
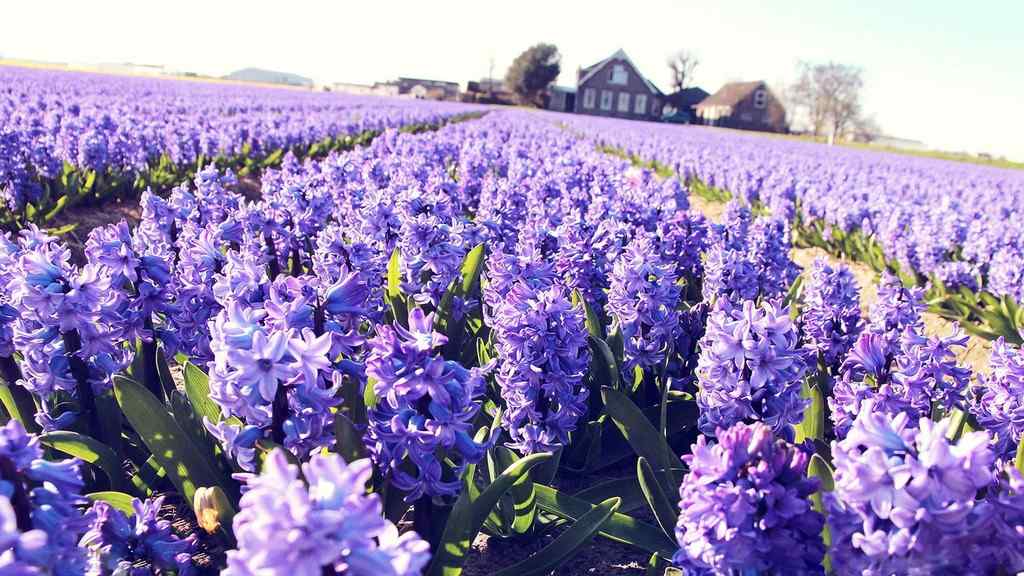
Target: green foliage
<point>170,445</point>
<point>567,543</point>
<point>471,510</point>
<point>532,71</point>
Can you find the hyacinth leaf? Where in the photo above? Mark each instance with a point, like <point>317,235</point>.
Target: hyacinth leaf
<point>197,388</point>
<point>604,369</point>
<point>818,468</point>
<point>119,500</point>
<point>19,405</point>
<point>393,294</point>
<point>88,450</point>
<point>585,448</point>
<point>523,498</point>
<point>469,283</point>
<point>148,479</point>
<point>592,322</point>
<point>483,355</point>
<point>812,427</point>
<point>792,298</point>
<point>185,465</point>
<point>348,439</point>
<point>185,416</point>
<point>57,208</point>
<point>620,527</point>
<point>658,566</point>
<point>164,372</point>
<point>626,488</point>
<point>640,433</point>
<point>110,418</point>
<point>369,394</point>
<point>567,543</point>
<point>1019,460</point>
<point>958,425</point>
<point>616,343</point>
<point>470,512</point>
<point>663,509</point>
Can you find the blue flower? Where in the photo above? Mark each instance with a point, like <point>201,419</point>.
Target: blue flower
<point>745,506</point>
<point>286,526</point>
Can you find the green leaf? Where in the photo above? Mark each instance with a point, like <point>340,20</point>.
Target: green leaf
<point>664,510</point>
<point>640,433</point>
<point>185,465</point>
<point>348,442</point>
<point>813,425</point>
<point>88,450</point>
<point>62,230</point>
<point>1019,461</point>
<point>19,405</point>
<point>523,497</point>
<point>567,543</point>
<point>818,468</point>
<point>593,323</point>
<point>197,388</point>
<point>148,478</point>
<point>118,500</point>
<point>163,371</point>
<point>603,366</point>
<point>111,419</point>
<point>369,394</point>
<point>57,207</point>
<point>393,294</point>
<point>793,295</point>
<point>620,527</point>
<point>472,267</point>
<point>469,513</point>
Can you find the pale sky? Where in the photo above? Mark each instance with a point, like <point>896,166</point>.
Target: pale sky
<point>947,72</point>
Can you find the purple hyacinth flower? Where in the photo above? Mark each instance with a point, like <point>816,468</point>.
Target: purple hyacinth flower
<point>286,525</point>
<point>745,506</point>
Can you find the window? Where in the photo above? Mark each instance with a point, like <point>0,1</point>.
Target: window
<point>618,75</point>
<point>640,104</point>
<point>589,96</point>
<point>623,101</point>
<point>606,100</point>
<point>760,99</point>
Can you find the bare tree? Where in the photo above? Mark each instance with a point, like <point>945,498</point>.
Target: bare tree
<point>682,64</point>
<point>829,96</point>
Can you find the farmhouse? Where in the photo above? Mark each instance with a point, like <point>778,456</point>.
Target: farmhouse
<point>743,105</point>
<point>615,87</point>
<point>562,98</point>
<point>419,88</point>
<point>680,104</point>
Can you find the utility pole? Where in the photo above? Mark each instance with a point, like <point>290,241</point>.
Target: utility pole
<point>490,78</point>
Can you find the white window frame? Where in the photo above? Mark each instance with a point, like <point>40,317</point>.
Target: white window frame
<point>606,100</point>
<point>618,75</point>
<point>760,98</point>
<point>640,104</point>
<point>623,103</point>
<point>589,98</point>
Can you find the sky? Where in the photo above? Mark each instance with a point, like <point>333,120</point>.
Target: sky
<point>946,72</point>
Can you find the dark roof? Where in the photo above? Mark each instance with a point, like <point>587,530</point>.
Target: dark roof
<point>731,94</point>
<point>427,82</point>
<point>686,98</point>
<point>584,74</point>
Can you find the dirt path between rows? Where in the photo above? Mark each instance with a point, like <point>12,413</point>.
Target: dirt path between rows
<point>975,355</point>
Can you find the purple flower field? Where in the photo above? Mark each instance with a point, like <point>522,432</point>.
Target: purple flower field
<point>492,325</point>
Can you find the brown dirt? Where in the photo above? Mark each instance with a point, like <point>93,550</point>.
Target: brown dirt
<point>87,217</point>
